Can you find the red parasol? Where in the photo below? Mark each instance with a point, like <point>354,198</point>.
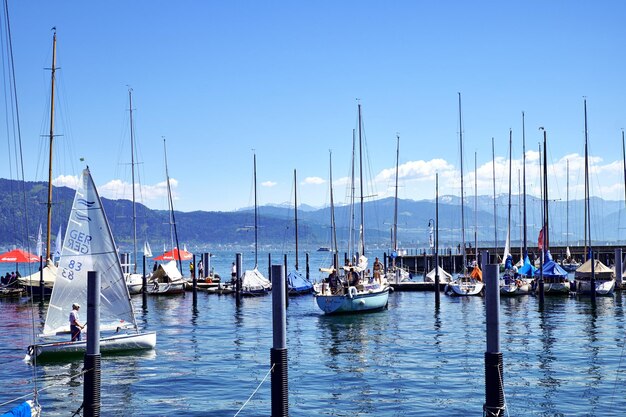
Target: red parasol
<point>175,254</point>
<point>18,256</point>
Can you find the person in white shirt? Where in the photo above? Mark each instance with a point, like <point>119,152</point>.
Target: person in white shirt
<point>75,326</point>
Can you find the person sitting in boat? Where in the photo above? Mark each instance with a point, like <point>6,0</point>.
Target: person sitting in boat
<point>75,326</point>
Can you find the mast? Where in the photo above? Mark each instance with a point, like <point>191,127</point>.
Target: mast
<point>587,214</point>
<point>624,159</point>
<point>567,207</point>
<point>295,197</point>
<point>171,207</point>
<point>524,175</point>
<point>352,239</point>
<point>52,79</point>
<point>495,214</point>
<point>395,207</point>
<point>332,208</point>
<point>545,193</point>
<point>476,206</point>
<point>256,235</point>
<point>462,196</point>
<point>362,225</point>
<point>132,169</point>
<point>508,230</point>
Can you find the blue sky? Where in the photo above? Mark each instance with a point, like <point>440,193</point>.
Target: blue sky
<point>218,79</point>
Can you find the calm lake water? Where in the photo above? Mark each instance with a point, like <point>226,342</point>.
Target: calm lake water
<point>567,359</point>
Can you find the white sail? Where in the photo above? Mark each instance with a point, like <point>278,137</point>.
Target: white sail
<point>88,246</point>
<point>507,247</point>
<point>39,243</point>
<point>568,254</point>
<point>58,244</point>
<point>146,250</point>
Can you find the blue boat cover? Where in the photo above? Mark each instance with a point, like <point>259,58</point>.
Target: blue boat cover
<point>551,269</point>
<point>297,283</point>
<point>527,269</point>
<point>22,410</point>
<point>508,264</point>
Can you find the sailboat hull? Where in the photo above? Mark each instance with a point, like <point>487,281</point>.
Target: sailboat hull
<point>117,343</point>
<point>353,302</point>
<point>464,288</point>
<point>603,287</point>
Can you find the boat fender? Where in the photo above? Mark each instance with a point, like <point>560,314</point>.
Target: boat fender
<point>352,292</point>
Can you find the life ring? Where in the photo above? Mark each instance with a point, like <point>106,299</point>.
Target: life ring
<point>352,291</point>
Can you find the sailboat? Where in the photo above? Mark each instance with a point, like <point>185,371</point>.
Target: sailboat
<point>357,292</point>
<point>134,281</point>
<point>593,271</point>
<point>89,246</point>
<point>511,283</point>
<point>297,284</point>
<point>396,273</point>
<point>465,284</point>
<point>168,279</point>
<point>554,277</point>
<point>526,270</point>
<point>48,273</point>
<point>253,282</point>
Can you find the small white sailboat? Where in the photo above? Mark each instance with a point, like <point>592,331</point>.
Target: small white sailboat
<point>465,284</point>
<point>168,279</point>
<point>89,246</point>
<point>444,276</point>
<point>297,284</point>
<point>253,282</point>
<point>357,292</point>
<point>147,251</point>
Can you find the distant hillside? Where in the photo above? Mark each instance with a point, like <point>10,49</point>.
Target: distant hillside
<point>199,229</point>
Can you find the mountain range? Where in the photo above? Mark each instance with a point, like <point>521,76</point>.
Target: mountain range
<point>25,208</point>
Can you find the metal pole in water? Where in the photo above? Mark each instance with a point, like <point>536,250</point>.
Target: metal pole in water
<point>286,282</point>
<point>144,286</point>
<point>494,386</point>
<point>194,282</point>
<point>618,269</point>
<point>238,272</point>
<point>91,387</point>
<point>308,272</point>
<point>278,353</point>
<point>592,283</point>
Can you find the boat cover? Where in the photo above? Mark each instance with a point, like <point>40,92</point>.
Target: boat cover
<point>22,410</point>
<point>254,281</point>
<point>296,282</point>
<point>551,269</point>
<point>477,273</point>
<point>527,269</point>
<point>444,276</point>
<point>600,270</point>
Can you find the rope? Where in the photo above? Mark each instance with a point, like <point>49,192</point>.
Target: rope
<point>257,388</point>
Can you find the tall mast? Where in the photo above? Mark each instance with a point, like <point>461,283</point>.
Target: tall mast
<point>624,159</point>
<point>524,183</point>
<point>295,198</point>
<point>462,196</point>
<point>395,207</point>
<point>545,188</point>
<point>587,214</point>
<point>332,207</point>
<point>52,79</point>
<point>476,206</point>
<point>256,235</point>
<point>495,214</point>
<point>567,206</point>
<point>132,169</point>
<point>362,225</point>
<point>352,238</point>
<point>508,232</point>
<point>171,205</point>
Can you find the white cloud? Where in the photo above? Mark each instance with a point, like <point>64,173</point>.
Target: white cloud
<point>70,181</point>
<point>118,189</point>
<point>314,180</point>
<point>269,183</point>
